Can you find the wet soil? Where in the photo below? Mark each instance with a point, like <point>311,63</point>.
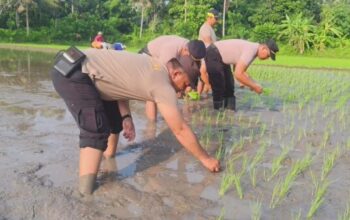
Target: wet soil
<point>154,178</point>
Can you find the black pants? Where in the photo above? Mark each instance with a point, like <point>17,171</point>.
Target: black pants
<point>221,80</point>
<point>95,118</point>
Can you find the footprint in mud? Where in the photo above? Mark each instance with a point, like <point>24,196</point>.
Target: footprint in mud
<point>45,181</point>
<point>28,175</point>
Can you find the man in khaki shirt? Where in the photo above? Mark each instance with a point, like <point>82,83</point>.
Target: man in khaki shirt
<point>167,47</point>
<point>106,75</point>
<point>240,53</point>
<point>208,36</point>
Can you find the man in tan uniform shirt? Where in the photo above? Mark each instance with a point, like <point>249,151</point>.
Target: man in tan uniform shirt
<point>106,75</point>
<point>241,53</point>
<point>167,47</point>
<point>208,36</point>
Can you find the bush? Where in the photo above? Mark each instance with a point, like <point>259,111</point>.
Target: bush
<point>263,32</point>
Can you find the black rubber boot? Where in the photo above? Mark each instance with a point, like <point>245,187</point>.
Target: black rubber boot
<point>230,103</point>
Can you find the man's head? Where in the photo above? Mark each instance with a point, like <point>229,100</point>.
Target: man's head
<point>268,49</point>
<point>196,50</point>
<point>183,72</point>
<point>212,17</point>
<point>99,33</point>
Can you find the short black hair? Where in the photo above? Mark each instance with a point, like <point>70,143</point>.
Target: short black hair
<point>175,64</point>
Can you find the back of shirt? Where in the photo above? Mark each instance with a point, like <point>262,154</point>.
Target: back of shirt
<point>234,50</point>
<point>206,31</point>
<point>166,47</point>
<point>121,75</point>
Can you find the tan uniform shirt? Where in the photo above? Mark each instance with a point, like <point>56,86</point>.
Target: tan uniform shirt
<point>166,47</point>
<point>206,31</point>
<point>233,51</point>
<point>120,75</point>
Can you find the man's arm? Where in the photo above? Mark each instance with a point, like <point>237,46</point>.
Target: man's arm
<point>242,76</point>
<point>128,125</point>
<point>204,74</point>
<point>186,137</point>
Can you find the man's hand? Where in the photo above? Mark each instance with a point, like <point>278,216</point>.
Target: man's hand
<point>258,89</point>
<point>211,164</point>
<point>129,129</point>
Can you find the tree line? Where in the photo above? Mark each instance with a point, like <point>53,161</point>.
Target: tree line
<point>302,24</point>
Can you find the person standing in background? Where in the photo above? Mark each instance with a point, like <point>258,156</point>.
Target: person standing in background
<point>208,36</point>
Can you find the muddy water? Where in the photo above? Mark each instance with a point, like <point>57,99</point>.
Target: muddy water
<point>154,178</point>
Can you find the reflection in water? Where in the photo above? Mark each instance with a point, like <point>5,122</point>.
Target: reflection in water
<point>24,68</point>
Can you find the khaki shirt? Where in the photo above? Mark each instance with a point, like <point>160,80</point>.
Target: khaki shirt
<point>234,51</point>
<point>120,75</point>
<point>207,31</point>
<point>166,47</point>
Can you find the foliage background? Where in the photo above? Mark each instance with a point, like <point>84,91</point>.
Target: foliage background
<point>300,25</point>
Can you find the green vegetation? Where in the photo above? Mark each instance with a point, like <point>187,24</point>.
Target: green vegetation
<point>282,187</point>
<point>301,24</point>
<point>346,214</point>
<point>307,129</point>
<point>256,210</point>
<point>307,62</point>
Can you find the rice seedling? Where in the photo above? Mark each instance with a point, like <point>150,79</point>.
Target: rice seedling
<point>240,143</point>
<point>251,135</point>
<point>237,177</point>
<point>232,177</point>
<point>222,214</point>
<point>227,179</point>
<point>300,134</point>
<point>277,162</point>
<point>325,139</point>
<point>346,214</point>
<point>204,114</point>
<point>240,117</point>
<point>279,132</point>
<point>328,163</point>
<point>250,121</point>
<point>263,130</point>
<point>258,119</point>
<point>321,189</point>
<point>291,126</point>
<point>256,210</point>
<point>221,151</point>
<point>282,187</point>
<point>257,159</point>
<point>218,116</point>
<point>296,216</point>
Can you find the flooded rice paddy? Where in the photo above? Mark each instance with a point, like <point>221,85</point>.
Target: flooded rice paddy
<point>285,154</point>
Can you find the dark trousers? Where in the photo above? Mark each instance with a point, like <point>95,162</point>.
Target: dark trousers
<point>221,80</point>
<point>95,118</point>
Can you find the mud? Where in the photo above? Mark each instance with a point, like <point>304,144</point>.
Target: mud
<point>154,177</point>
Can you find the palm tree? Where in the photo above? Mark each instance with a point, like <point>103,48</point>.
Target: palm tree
<point>224,10</point>
<point>327,31</point>
<point>299,31</point>
<point>142,5</point>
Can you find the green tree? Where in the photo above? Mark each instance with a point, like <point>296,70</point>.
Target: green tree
<point>327,32</point>
<point>298,31</point>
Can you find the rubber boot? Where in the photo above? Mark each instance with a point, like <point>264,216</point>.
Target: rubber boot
<point>87,183</point>
<point>218,104</point>
<point>230,103</point>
